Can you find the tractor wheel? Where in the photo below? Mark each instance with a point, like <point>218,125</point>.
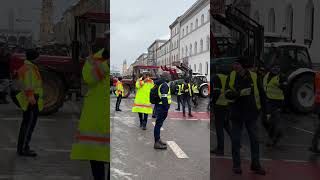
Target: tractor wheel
<point>127,89</point>
<point>204,91</point>
<point>302,94</point>
<point>53,92</point>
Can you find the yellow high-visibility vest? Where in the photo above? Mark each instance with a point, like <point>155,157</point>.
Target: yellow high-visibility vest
<point>255,86</point>
<point>92,140</point>
<point>179,89</point>
<point>222,100</point>
<point>168,96</point>
<point>272,88</point>
<point>188,90</point>
<point>119,89</point>
<point>142,102</point>
<point>31,84</point>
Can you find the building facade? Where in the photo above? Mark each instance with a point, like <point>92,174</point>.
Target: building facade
<point>152,51</point>
<point>195,37</point>
<point>293,19</point>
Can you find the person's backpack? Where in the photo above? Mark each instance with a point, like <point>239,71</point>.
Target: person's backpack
<point>154,96</point>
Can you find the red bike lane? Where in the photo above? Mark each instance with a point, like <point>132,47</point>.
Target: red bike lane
<point>221,169</point>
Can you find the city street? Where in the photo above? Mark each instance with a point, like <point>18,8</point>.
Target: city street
<point>133,155</point>
<point>291,159</point>
<point>52,140</point>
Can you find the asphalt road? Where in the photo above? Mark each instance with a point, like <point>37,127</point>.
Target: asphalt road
<point>133,155</point>
<point>290,159</point>
<point>52,141</point>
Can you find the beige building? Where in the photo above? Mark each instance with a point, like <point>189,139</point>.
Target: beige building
<point>152,51</point>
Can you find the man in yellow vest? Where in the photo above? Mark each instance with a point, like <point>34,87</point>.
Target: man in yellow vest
<point>220,110</point>
<point>195,93</point>
<point>162,108</point>
<point>273,85</point>
<point>179,86</point>
<point>186,97</point>
<point>142,104</point>
<point>119,93</point>
<point>243,89</point>
<point>30,100</point>
<point>92,140</point>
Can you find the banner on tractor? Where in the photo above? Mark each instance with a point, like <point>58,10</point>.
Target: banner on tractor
<point>217,7</point>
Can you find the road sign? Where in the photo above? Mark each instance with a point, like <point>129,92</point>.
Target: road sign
<point>217,7</point>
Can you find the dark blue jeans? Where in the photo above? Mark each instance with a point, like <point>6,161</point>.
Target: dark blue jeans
<point>143,119</point>
<point>250,121</point>
<point>221,122</point>
<point>161,113</point>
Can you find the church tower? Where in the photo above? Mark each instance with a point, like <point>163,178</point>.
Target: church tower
<point>46,22</point>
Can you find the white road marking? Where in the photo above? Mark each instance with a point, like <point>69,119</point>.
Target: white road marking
<point>306,131</point>
<point>263,159</point>
<point>177,150</point>
<point>154,124</point>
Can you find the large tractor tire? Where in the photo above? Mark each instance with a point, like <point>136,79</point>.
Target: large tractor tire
<point>53,93</point>
<point>204,91</point>
<point>127,90</point>
<point>302,94</point>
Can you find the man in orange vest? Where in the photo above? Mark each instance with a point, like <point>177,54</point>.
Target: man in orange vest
<point>315,140</point>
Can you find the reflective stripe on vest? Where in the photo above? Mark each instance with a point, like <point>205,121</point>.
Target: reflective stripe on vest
<point>272,88</point>
<point>222,100</point>
<point>142,106</point>
<point>255,86</point>
<point>168,96</point>
<point>93,138</point>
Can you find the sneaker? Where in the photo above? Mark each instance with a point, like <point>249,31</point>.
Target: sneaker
<point>157,145</point>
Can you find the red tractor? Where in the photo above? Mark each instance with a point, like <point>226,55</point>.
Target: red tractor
<point>62,74</point>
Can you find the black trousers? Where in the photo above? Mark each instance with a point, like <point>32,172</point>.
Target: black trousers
<point>249,119</point>
<point>98,170</point>
<point>143,119</point>
<point>29,121</point>
<point>316,136</point>
<point>179,101</point>
<point>118,101</point>
<point>221,116</point>
<point>195,100</point>
<point>186,100</point>
<point>271,120</point>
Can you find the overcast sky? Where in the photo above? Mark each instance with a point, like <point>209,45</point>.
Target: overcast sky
<point>135,24</point>
<point>29,10</point>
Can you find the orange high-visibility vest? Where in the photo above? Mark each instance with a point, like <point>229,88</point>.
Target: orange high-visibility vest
<point>317,87</point>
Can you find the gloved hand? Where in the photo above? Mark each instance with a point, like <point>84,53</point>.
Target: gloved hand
<point>232,95</point>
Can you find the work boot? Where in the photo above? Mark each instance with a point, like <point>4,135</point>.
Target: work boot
<point>190,115</point>
<point>218,152</point>
<point>258,170</point>
<point>153,116</point>
<point>157,145</point>
<point>144,128</point>
<point>184,114</point>
<point>161,142</point>
<point>237,170</point>
<point>29,153</point>
<point>177,109</point>
<point>314,150</point>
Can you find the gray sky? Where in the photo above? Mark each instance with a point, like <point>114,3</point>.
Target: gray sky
<point>135,24</point>
<point>29,10</point>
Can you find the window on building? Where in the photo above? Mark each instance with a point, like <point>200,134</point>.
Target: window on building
<point>187,30</point>
<point>197,22</point>
<point>182,52</point>
<point>309,22</point>
<point>207,68</point>
<point>202,19</point>
<point>200,68</point>
<point>190,49</point>
<point>201,45</point>
<point>195,68</point>
<point>271,21</point>
<point>177,57</point>
<point>256,16</point>
<point>208,43</point>
<point>182,32</point>
<point>186,51</point>
<point>289,20</point>
<point>195,48</point>
<point>191,27</point>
